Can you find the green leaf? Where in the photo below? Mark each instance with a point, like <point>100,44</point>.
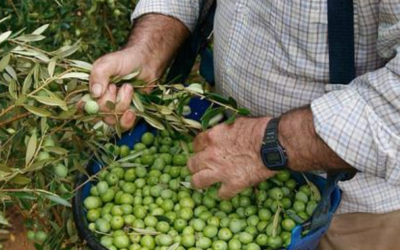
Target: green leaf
<point>30,38</point>
<point>41,29</point>
<point>76,75</point>
<point>66,50</point>
<point>57,199</point>
<point>5,18</point>
<point>209,114</point>
<point>12,89</point>
<point>56,150</point>
<point>162,218</point>
<point>152,121</point>
<point>233,103</point>
<point>37,111</point>
<point>137,102</point>
<point>68,114</point>
<point>315,193</point>
<point>3,220</point>
<point>173,247</point>
<point>51,67</point>
<point>146,231</point>
<point>11,71</point>
<point>51,101</point>
<point>4,62</point>
<point>230,120</point>
<point>294,216</point>
<point>31,148</point>
<point>192,123</point>
<point>27,82</point>
<point>218,98</point>
<point>82,65</point>
<point>243,111</point>
<point>4,36</point>
<point>21,100</point>
<point>19,179</point>
<point>131,157</point>
<point>276,222</point>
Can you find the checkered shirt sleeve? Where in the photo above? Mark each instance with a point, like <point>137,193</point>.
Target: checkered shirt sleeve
<point>361,122</point>
<point>187,11</point>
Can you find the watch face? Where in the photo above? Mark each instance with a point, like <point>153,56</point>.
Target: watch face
<point>274,157</point>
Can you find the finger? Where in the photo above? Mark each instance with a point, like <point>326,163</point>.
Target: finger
<point>200,142</point>
<point>100,75</point>
<point>204,179</point>
<point>124,98</point>
<point>127,120</point>
<point>109,96</point>
<point>196,163</point>
<point>226,191</point>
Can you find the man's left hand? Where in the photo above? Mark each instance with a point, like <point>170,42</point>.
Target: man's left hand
<point>230,154</point>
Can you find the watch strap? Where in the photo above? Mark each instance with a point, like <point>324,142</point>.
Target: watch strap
<point>271,133</point>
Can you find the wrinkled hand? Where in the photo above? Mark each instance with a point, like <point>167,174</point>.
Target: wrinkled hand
<point>118,63</point>
<point>230,154</point>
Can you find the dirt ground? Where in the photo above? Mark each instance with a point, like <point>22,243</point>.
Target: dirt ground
<point>17,239</point>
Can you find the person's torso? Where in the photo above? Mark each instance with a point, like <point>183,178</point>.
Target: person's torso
<point>272,56</point>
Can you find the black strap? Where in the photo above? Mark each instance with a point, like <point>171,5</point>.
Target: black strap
<point>341,71</point>
<point>341,41</point>
<point>193,46</point>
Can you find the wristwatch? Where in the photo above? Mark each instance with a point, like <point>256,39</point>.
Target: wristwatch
<point>272,153</point>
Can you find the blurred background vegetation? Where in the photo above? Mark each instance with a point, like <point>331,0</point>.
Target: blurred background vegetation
<point>101,25</point>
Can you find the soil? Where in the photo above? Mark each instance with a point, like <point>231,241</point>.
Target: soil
<point>17,238</point>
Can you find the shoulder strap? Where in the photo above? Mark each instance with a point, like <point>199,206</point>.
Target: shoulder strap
<point>341,71</point>
<point>193,46</point>
<point>341,41</point>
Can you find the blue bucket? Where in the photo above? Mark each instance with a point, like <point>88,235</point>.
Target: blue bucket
<point>298,242</point>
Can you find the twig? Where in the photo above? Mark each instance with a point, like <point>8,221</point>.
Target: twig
<point>15,119</point>
<point>7,110</point>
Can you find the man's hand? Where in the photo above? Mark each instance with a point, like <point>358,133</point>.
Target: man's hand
<point>230,154</point>
<point>153,43</point>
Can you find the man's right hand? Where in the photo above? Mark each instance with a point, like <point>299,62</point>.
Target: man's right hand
<point>118,63</point>
<point>153,43</point>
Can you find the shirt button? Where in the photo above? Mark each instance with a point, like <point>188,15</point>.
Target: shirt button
<point>229,70</point>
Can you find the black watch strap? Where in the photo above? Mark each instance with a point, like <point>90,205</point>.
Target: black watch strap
<point>271,133</point>
<point>272,153</point>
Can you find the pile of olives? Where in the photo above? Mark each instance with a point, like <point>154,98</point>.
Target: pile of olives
<point>144,201</point>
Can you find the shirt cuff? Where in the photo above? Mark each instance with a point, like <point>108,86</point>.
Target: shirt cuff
<point>187,11</point>
<point>353,130</point>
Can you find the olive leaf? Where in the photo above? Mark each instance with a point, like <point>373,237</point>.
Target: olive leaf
<point>30,38</point>
<point>4,36</point>
<point>75,75</point>
<point>37,111</point>
<point>4,62</point>
<point>40,30</point>
<point>209,114</point>
<point>137,102</point>
<point>231,120</point>
<point>31,148</point>
<point>57,199</point>
<point>173,247</point>
<point>51,101</point>
<point>275,222</point>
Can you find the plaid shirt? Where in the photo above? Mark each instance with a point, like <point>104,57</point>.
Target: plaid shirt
<point>272,56</point>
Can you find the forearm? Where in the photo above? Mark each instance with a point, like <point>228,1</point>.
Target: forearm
<point>158,38</point>
<point>306,151</point>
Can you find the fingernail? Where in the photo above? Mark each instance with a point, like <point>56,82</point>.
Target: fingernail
<point>97,90</point>
<point>128,89</point>
<point>130,115</point>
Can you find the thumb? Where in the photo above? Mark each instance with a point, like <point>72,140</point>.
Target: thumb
<point>113,64</point>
